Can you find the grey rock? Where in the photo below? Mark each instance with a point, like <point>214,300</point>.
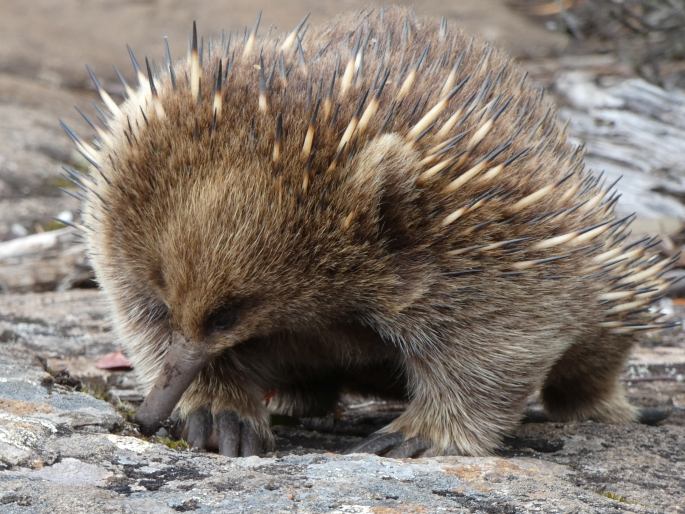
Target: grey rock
<point>64,450</point>
<point>53,260</point>
<point>32,148</point>
<point>631,129</point>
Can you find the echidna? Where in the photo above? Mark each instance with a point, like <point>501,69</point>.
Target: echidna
<point>384,206</point>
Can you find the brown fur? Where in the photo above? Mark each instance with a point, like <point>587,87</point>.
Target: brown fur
<point>340,275</point>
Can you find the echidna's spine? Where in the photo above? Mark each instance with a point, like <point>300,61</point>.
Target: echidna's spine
<point>495,197</point>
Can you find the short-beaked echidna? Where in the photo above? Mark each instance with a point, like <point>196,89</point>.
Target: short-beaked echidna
<point>381,205</point>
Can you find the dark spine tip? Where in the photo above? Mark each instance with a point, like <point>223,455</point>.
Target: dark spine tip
<point>167,51</point>
<point>72,135</point>
<point>379,91</point>
<point>302,22</point>
<point>219,75</point>
<point>333,78</point>
<point>424,54</point>
<point>229,66</point>
<point>85,118</point>
<point>315,111</point>
<point>279,127</point>
<point>300,53</point>
<point>93,78</point>
<point>362,101</point>
<point>150,77</point>
<point>169,62</point>
<point>262,75</point>
<point>458,87</point>
<point>257,23</point>
<point>121,79</point>
<point>134,60</point>
<point>194,40</point>
<point>502,109</point>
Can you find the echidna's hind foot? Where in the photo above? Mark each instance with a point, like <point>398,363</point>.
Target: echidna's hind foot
<point>584,383</point>
<point>392,444</point>
<point>454,410</point>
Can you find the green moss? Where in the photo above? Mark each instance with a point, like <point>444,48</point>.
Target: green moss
<point>174,444</point>
<point>61,181</point>
<point>96,390</point>
<point>614,496</point>
<point>52,225</point>
<point>126,410</point>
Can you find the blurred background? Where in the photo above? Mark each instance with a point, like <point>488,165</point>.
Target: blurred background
<point>615,68</point>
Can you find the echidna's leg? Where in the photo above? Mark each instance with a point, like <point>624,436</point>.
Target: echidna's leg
<point>462,402</point>
<point>584,383</point>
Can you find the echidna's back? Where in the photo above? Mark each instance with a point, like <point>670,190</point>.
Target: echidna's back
<point>498,187</point>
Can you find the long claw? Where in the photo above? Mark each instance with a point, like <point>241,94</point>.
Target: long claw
<point>647,416</point>
<point>227,426</point>
<point>409,448</point>
<point>653,415</point>
<point>182,363</point>
<point>250,441</point>
<point>378,443</point>
<point>199,428</point>
<point>535,416</point>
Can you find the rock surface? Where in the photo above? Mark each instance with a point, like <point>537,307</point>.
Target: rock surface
<point>62,449</point>
<point>45,261</point>
<point>632,130</point>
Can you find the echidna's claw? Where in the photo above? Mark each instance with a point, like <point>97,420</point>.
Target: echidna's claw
<point>227,426</point>
<point>378,443</point>
<point>251,443</point>
<point>408,448</point>
<point>226,432</point>
<point>393,445</point>
<point>654,415</point>
<point>237,437</point>
<point>647,415</point>
<point>199,428</point>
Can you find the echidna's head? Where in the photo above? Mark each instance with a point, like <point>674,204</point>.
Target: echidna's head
<point>224,250</point>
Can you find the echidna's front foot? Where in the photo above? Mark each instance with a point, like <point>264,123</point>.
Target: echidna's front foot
<point>392,444</point>
<point>227,432</point>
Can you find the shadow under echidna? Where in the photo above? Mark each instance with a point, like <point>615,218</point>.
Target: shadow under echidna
<point>380,205</point>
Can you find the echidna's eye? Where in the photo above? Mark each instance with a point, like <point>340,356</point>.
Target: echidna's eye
<point>222,318</point>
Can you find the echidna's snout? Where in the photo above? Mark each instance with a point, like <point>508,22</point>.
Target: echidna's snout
<point>182,363</point>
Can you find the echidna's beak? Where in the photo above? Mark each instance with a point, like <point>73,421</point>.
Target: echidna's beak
<point>182,363</point>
